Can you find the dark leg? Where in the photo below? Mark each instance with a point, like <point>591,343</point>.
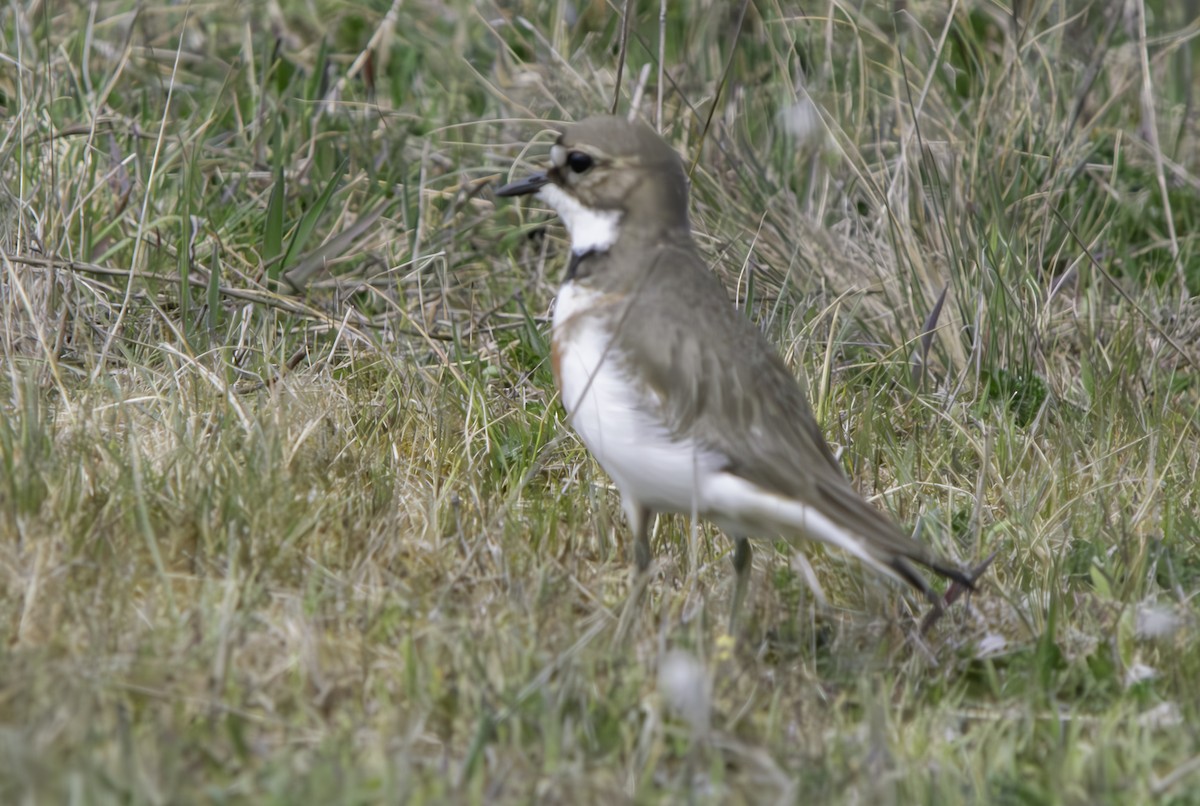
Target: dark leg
<point>640,524</point>
<point>742,554</point>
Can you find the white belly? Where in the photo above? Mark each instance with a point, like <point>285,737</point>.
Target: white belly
<point>617,418</point>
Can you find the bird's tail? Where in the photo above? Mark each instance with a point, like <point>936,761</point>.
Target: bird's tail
<point>901,565</point>
<point>844,520</point>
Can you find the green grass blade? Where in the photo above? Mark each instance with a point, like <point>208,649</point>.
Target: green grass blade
<point>308,221</point>
<point>272,248</point>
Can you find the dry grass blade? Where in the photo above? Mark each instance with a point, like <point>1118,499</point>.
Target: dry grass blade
<point>712,108</point>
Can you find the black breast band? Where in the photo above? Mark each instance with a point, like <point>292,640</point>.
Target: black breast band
<point>578,266</point>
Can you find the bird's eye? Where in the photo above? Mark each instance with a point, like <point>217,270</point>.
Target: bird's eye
<point>579,162</point>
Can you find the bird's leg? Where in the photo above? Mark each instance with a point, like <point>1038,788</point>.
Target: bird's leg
<point>742,554</point>
<point>639,522</point>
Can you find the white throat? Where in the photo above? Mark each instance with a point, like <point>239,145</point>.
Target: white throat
<point>590,230</point>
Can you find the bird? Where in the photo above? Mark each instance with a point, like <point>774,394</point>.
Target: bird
<point>676,393</point>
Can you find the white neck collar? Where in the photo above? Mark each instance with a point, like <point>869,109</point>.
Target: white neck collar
<point>590,230</point>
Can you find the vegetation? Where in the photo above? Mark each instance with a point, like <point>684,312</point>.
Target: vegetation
<point>288,510</point>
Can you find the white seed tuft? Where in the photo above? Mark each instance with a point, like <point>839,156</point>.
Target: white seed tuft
<point>685,687</point>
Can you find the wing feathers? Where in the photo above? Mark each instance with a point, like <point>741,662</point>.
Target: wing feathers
<point>740,400</point>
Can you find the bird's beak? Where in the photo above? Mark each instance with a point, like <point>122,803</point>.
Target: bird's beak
<point>523,187</point>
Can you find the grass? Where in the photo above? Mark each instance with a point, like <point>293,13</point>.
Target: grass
<point>288,510</point>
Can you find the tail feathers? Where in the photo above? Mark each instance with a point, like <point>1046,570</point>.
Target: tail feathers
<point>742,507</point>
<point>952,573</point>
<point>881,544</point>
<point>875,538</point>
<point>902,567</point>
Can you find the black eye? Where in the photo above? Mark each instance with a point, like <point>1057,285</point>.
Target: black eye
<point>579,162</point>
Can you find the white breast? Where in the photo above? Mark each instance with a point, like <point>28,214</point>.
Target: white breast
<point>617,417</point>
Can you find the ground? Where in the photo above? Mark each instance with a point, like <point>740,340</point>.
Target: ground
<point>288,508</point>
